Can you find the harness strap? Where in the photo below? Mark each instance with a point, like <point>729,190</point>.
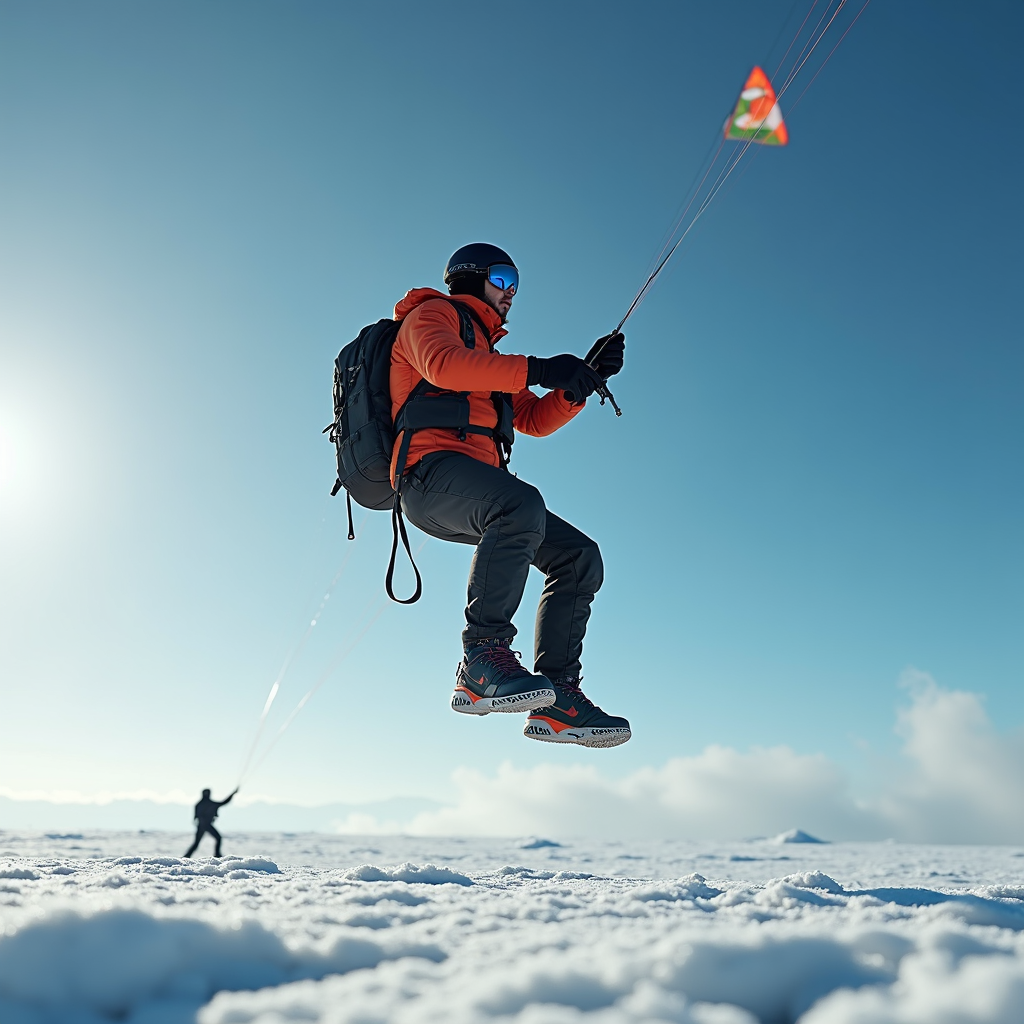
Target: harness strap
<point>503,439</point>
<point>467,315</point>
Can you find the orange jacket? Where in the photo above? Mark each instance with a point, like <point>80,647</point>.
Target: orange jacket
<point>429,346</point>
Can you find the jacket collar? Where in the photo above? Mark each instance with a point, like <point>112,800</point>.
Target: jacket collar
<point>489,317</point>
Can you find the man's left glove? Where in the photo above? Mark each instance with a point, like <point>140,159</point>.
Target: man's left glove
<point>567,372</point>
<point>607,354</point>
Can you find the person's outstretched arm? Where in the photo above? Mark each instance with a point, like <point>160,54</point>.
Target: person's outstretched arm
<point>230,797</point>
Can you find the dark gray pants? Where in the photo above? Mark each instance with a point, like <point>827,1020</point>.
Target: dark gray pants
<point>201,828</point>
<point>458,498</point>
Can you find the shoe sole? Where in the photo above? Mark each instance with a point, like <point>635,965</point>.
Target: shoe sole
<point>592,736</point>
<point>467,703</point>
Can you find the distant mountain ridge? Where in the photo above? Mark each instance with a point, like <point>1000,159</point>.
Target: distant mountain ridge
<point>42,815</point>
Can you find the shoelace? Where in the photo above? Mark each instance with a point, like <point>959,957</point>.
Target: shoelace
<point>572,688</point>
<point>501,657</point>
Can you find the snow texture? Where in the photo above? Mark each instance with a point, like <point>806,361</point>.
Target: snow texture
<point>104,927</point>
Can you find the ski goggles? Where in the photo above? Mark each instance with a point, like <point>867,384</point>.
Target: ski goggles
<point>502,276</point>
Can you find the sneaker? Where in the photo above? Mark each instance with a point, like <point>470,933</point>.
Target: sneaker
<point>490,678</point>
<point>574,718</point>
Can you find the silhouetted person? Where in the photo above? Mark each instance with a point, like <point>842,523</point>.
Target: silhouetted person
<point>206,811</point>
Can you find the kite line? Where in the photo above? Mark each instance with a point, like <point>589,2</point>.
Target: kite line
<point>372,611</point>
<point>340,659</point>
<point>295,652</point>
<point>761,132</point>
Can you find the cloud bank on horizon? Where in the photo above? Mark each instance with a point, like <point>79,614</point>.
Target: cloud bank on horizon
<point>960,781</point>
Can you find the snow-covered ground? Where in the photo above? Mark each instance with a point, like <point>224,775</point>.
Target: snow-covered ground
<point>114,927</point>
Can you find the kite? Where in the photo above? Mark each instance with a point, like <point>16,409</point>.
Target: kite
<point>757,116</point>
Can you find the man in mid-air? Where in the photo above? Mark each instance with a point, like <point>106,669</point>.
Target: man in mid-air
<point>455,486</point>
<point>206,811</point>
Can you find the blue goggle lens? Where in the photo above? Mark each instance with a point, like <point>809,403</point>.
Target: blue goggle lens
<point>502,276</point>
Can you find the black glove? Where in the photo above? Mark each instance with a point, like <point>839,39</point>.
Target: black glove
<point>570,373</point>
<point>607,354</point>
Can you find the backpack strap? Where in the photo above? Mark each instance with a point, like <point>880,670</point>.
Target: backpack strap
<point>503,433</point>
<point>466,317</point>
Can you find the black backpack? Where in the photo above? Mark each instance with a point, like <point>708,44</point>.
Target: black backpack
<point>364,432</point>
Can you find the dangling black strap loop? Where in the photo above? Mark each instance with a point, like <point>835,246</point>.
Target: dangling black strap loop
<point>351,525</point>
<point>398,528</point>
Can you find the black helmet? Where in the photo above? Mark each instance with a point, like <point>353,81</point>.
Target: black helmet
<point>475,259</point>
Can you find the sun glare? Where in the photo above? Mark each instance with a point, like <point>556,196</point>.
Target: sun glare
<point>8,459</point>
<point>16,476</point>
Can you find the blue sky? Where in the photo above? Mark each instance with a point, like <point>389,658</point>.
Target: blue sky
<point>817,481</point>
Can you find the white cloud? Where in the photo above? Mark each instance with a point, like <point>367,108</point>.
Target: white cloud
<point>966,781</point>
<point>960,781</point>
<point>719,793</point>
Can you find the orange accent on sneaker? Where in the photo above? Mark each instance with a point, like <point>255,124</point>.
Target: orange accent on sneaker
<point>469,693</point>
<point>557,726</point>
<point>571,711</point>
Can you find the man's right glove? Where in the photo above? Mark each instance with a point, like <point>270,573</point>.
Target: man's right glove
<point>568,372</point>
<point>607,354</point>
